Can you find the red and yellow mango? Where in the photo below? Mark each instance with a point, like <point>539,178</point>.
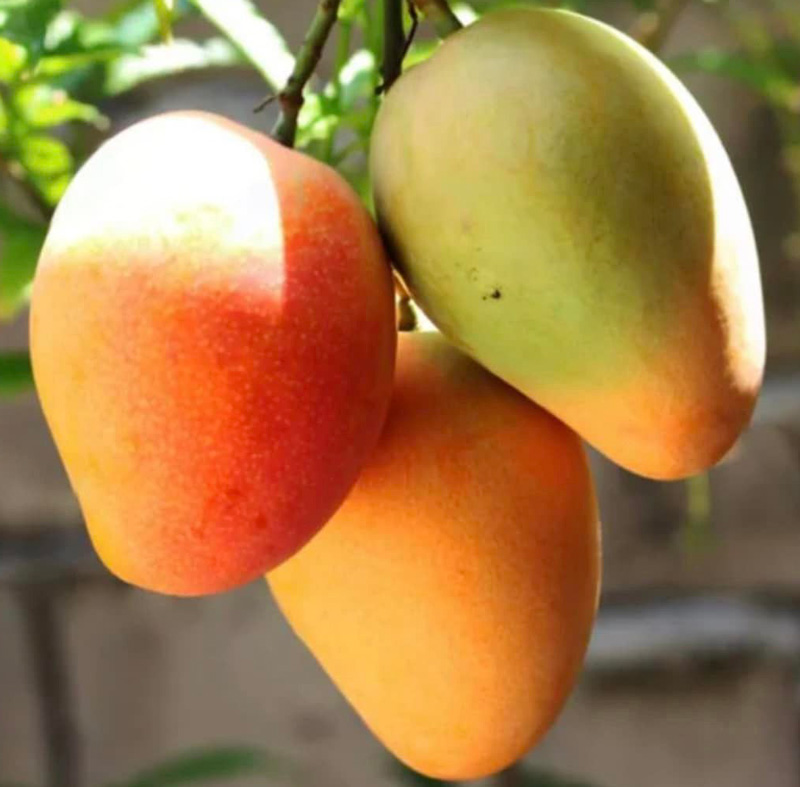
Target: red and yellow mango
<point>212,335</point>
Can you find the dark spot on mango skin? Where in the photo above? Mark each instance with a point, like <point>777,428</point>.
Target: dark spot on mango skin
<point>495,295</point>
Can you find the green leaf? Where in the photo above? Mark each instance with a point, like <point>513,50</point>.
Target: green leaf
<point>52,187</point>
<point>48,163</point>
<point>164,10</point>
<point>12,60</point>
<point>26,23</point>
<point>43,106</point>
<point>16,374</point>
<point>56,65</point>
<point>405,775</point>
<point>348,104</point>
<point>419,51</point>
<point>161,60</point>
<point>258,40</point>
<point>696,534</point>
<point>315,121</point>
<point>765,79</point>
<point>223,763</point>
<point>357,79</point>
<point>136,22</point>
<point>44,155</point>
<point>74,42</point>
<point>534,777</point>
<point>351,10</point>
<point>62,29</point>
<point>465,12</point>
<point>20,243</point>
<point>787,57</point>
<point>525,777</point>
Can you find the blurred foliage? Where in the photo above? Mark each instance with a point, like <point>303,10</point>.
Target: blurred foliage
<point>208,765</point>
<point>257,39</point>
<point>15,372</point>
<point>20,243</point>
<point>405,775</point>
<point>518,776</point>
<point>535,777</point>
<point>164,10</point>
<point>696,534</point>
<point>57,68</point>
<point>770,66</point>
<point>211,765</point>
<point>216,765</point>
<point>765,59</point>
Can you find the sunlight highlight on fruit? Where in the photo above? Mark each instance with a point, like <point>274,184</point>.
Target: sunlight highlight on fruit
<point>561,208</point>
<point>212,335</point>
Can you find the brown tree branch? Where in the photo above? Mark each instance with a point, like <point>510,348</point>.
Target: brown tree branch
<point>291,97</point>
<point>652,28</point>
<point>393,42</point>
<point>33,196</point>
<point>439,13</point>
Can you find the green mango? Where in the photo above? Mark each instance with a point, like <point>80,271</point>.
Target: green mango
<point>561,208</point>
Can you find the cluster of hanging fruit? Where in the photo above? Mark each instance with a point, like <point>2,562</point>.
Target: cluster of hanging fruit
<point>214,346</point>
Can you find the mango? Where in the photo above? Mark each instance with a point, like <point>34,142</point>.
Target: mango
<point>212,335</point>
<point>452,595</point>
<point>561,208</point>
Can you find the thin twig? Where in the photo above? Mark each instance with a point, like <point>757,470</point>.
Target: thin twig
<point>19,179</point>
<point>264,103</point>
<point>393,42</point>
<point>389,77</point>
<point>412,12</point>
<point>406,316</point>
<point>652,28</point>
<point>15,172</point>
<point>439,13</point>
<point>40,204</point>
<point>291,97</point>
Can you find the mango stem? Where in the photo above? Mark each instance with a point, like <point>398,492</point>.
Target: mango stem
<point>406,316</point>
<point>393,41</point>
<point>439,13</point>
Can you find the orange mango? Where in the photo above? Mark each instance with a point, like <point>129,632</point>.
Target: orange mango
<point>452,595</point>
<point>212,335</point>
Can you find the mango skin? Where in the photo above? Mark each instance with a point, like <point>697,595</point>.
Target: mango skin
<point>212,335</point>
<point>561,208</point>
<point>451,597</point>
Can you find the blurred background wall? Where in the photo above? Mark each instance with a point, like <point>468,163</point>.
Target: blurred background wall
<point>691,679</point>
